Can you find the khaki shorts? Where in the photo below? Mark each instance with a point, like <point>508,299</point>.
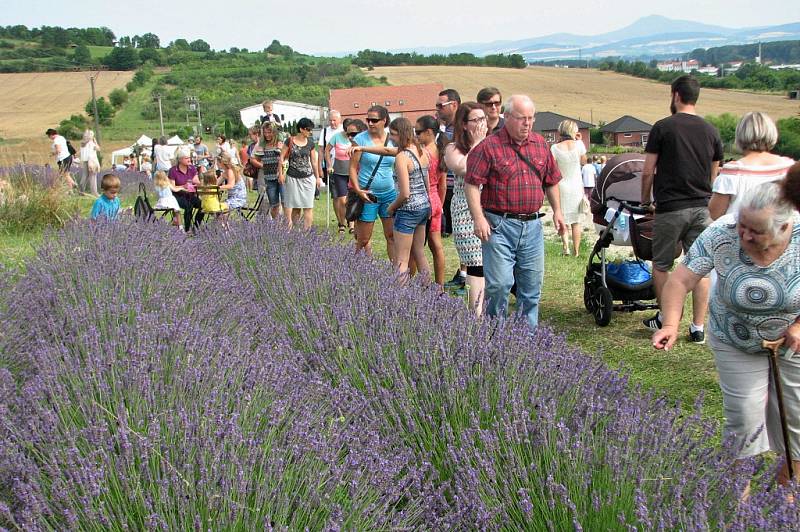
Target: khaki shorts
<point>670,228</point>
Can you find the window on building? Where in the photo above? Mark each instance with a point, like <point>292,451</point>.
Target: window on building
<point>387,103</point>
<point>355,105</point>
<point>644,139</point>
<point>400,102</point>
<point>628,135</point>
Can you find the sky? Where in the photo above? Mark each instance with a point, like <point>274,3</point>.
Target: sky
<point>328,27</point>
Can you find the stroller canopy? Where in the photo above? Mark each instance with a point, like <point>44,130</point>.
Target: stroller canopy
<point>621,179</point>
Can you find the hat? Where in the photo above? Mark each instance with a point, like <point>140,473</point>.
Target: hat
<point>191,138</point>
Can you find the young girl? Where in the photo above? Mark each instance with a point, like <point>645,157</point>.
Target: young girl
<point>232,180</point>
<point>209,202</point>
<point>107,205</point>
<point>165,198</point>
<point>412,207</point>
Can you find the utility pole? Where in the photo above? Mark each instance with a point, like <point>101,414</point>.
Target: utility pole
<point>160,113</point>
<point>194,105</point>
<point>92,78</point>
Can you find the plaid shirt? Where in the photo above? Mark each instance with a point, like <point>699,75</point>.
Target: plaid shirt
<point>509,184</point>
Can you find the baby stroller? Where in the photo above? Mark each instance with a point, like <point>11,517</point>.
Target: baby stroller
<point>620,220</point>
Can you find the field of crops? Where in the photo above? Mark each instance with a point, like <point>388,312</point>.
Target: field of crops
<point>589,95</point>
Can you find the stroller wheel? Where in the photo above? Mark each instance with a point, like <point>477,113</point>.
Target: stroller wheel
<point>604,306</point>
<point>588,300</point>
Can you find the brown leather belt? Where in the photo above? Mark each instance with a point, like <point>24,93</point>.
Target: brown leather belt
<point>516,216</point>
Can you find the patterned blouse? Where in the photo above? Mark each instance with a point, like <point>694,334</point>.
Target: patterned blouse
<point>750,303</point>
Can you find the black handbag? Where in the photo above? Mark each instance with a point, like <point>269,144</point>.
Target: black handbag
<point>354,205</point>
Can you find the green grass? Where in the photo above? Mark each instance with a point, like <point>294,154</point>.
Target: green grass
<point>681,373</point>
<point>128,122</point>
<point>99,52</point>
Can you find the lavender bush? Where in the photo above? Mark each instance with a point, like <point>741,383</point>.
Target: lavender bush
<point>252,377</point>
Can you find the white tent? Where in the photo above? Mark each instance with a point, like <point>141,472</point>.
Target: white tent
<point>144,140</point>
<point>175,141</point>
<point>118,155</point>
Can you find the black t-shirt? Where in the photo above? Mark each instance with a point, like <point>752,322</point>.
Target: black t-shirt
<point>687,146</point>
<point>272,117</point>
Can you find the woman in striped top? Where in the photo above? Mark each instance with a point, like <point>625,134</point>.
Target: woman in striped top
<point>756,135</point>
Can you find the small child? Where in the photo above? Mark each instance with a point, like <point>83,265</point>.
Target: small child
<point>209,202</point>
<point>165,198</point>
<point>107,205</point>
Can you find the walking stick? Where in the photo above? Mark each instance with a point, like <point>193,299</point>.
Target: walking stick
<point>772,347</point>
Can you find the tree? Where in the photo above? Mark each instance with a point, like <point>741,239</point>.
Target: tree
<point>125,42</point>
<point>149,40</point>
<point>179,44</point>
<point>82,55</point>
<point>73,127</point>
<point>117,97</point>
<point>199,45</point>
<point>122,59</point>
<point>105,111</point>
<point>726,125</point>
<point>150,54</point>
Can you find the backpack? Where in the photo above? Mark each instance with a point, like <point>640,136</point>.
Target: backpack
<point>71,148</point>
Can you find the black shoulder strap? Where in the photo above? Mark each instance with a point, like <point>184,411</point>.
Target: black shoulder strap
<point>529,163</point>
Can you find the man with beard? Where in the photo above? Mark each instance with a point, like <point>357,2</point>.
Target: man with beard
<point>681,161</point>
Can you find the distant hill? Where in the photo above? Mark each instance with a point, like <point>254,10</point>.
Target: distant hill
<point>652,37</point>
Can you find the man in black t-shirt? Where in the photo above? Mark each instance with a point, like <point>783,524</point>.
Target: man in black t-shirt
<point>682,158</point>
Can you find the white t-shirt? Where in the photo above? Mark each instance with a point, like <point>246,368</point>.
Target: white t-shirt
<point>161,156</point>
<point>60,148</point>
<point>589,174</point>
<point>325,139</point>
<point>89,152</point>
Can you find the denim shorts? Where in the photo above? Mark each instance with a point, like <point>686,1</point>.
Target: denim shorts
<point>380,208</point>
<point>339,185</point>
<point>274,192</point>
<point>406,222</point>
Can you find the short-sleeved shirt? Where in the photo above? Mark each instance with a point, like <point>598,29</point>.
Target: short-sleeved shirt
<point>341,160</point>
<point>686,146</point>
<point>105,208</point>
<point>509,184</point>
<point>60,148</point>
<point>270,159</point>
<point>750,303</point>
<point>384,177</point>
<point>181,178</point>
<point>736,178</point>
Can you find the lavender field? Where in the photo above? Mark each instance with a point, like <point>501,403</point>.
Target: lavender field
<point>252,378</point>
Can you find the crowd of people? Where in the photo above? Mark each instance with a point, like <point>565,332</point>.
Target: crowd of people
<point>477,170</point>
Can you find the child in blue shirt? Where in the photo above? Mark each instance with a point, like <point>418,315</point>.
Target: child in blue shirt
<point>107,205</point>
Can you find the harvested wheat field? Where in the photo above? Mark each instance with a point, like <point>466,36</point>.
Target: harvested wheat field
<point>590,95</point>
<point>34,101</point>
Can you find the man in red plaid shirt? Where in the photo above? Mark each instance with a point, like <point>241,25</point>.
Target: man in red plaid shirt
<point>516,170</point>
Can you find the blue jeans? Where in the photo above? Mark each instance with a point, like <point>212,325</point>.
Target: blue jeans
<point>515,250</point>
<point>274,192</point>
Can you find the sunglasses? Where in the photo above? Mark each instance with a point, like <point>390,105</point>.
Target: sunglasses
<point>419,132</point>
<point>441,105</point>
<point>374,120</point>
<point>492,103</point>
<point>352,134</point>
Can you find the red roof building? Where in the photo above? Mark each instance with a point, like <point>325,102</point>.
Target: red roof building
<point>410,101</point>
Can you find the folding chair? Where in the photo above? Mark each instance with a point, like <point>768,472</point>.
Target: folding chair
<point>248,213</point>
<point>142,209</point>
<point>211,191</point>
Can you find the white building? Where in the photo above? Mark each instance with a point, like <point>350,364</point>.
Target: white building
<point>678,66</point>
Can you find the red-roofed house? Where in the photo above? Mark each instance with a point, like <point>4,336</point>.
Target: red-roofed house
<point>410,101</point>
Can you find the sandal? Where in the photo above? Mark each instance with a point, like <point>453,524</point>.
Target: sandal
<point>352,230</point>
<point>342,228</point>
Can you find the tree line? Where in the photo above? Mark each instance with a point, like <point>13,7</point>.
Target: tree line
<point>372,58</point>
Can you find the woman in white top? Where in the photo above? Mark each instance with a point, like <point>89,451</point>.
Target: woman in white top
<point>90,162</point>
<point>756,135</point>
<point>567,154</point>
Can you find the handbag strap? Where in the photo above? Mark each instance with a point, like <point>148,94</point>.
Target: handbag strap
<point>377,165</point>
<point>527,161</point>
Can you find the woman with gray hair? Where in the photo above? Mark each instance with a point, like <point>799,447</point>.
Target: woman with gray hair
<point>756,135</point>
<point>756,298</point>
<point>567,153</point>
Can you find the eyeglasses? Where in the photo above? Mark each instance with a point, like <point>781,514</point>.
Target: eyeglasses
<point>477,120</point>
<point>522,118</point>
<point>352,134</point>
<point>419,132</point>
<point>493,103</point>
<point>440,105</point>
<point>374,120</point>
